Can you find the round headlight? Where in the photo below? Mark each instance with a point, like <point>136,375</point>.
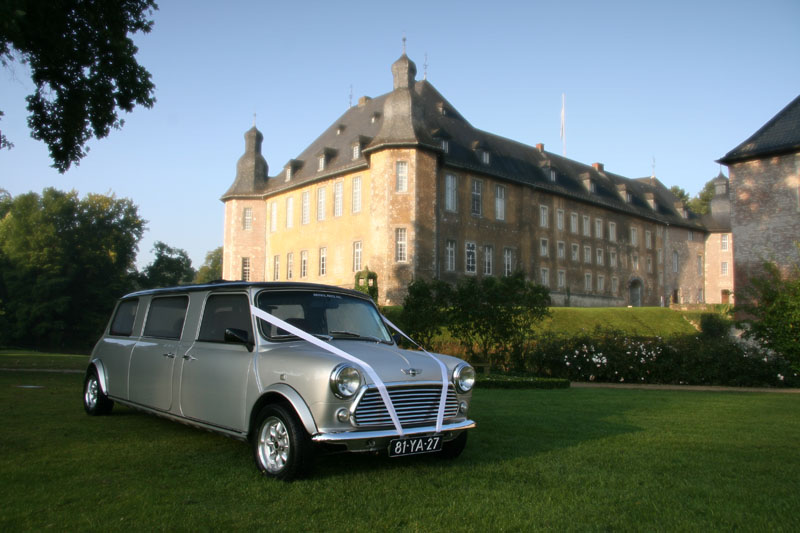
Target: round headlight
<point>464,377</point>
<point>345,381</point>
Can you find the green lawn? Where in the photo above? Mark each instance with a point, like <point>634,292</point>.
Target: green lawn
<point>19,359</point>
<point>574,459</point>
<point>640,321</point>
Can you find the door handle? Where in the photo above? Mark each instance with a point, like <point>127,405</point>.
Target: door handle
<point>170,355</point>
<point>189,357</point>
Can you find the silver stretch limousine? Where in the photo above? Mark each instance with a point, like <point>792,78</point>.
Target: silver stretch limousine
<point>294,368</point>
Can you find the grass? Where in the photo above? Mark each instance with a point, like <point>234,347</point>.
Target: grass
<point>638,321</point>
<point>19,359</point>
<point>574,459</point>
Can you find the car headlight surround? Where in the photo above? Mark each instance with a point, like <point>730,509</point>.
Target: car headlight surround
<point>464,378</point>
<point>345,381</point>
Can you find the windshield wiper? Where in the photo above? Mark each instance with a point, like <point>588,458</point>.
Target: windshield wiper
<point>358,337</point>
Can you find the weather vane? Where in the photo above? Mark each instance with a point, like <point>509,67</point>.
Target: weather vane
<point>404,43</point>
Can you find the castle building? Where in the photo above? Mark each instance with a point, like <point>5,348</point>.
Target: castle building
<point>765,196</point>
<point>404,185</point>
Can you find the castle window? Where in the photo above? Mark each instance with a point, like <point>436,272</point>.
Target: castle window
<point>592,186</point>
<point>470,253</point>
<point>544,276</point>
<point>562,279</point>
<point>699,265</point>
<point>576,252</point>
<point>450,255</point>
<point>648,240</point>
<point>356,151</point>
<point>245,269</point>
<point>724,268</point>
<point>400,245</point>
<point>477,192</point>
<point>500,202</point>
<point>560,219</point>
<point>674,261</point>
<point>635,261</point>
<point>553,175</point>
<point>356,256</point>
<point>338,192</point>
<point>587,227</point>
<point>614,285</point>
<point>649,264</point>
<point>304,264</point>
<point>562,249</point>
<point>544,216</point>
<point>321,163</point>
<point>612,258</point>
<point>599,256</point>
<point>628,197</point>
<point>543,246</point>
<point>488,260</point>
<point>598,228</point>
<point>323,261</point>
<point>247,219</point>
<point>357,194</point>
<point>288,173</point>
<point>401,176</point>
<point>450,193</point>
<point>445,146</point>
<point>321,203</point>
<point>573,222</point>
<point>587,254</point>
<point>634,237</point>
<point>484,155</point>
<point>601,283</point>
<point>690,236</point>
<point>289,265</point>
<point>723,243</point>
<point>612,231</point>
<point>305,208</point>
<point>276,267</point>
<point>508,261</point>
<point>587,282</point>
<point>289,212</point>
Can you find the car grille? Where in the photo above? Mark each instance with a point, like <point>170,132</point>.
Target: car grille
<point>414,405</point>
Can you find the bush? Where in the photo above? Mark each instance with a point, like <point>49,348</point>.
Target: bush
<point>714,325</point>
<point>520,382</point>
<point>610,356</point>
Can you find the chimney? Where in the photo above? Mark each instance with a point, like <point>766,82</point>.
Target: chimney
<point>363,101</point>
<point>540,147</point>
<point>598,166</point>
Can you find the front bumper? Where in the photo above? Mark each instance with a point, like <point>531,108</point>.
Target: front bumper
<point>370,440</point>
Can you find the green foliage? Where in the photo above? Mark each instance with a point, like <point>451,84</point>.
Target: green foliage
<point>83,64</point>
<point>493,318</point>
<point>424,313</point>
<point>637,321</point>
<point>63,262</point>
<point>773,300</point>
<point>171,266</point>
<point>366,281</point>
<point>212,267</point>
<point>714,325</point>
<point>701,204</point>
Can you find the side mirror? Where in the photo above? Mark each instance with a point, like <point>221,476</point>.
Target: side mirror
<point>397,338</point>
<point>239,336</point>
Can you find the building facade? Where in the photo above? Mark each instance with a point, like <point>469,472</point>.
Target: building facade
<point>765,196</point>
<point>403,185</point>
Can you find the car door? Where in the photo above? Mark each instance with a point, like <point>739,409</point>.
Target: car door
<point>214,371</point>
<point>154,355</point>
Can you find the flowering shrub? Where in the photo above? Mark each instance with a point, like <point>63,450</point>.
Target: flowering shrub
<point>611,356</point>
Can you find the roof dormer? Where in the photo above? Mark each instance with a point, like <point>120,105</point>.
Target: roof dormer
<point>324,157</point>
<point>482,151</point>
<point>291,167</point>
<point>651,200</point>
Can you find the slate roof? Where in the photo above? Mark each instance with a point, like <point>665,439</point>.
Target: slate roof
<point>420,116</point>
<point>778,136</point>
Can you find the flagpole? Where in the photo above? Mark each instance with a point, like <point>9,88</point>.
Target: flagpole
<point>563,125</point>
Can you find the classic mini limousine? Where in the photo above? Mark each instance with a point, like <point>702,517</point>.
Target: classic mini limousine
<point>294,368</point>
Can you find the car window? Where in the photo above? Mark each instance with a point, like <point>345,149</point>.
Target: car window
<point>165,317</point>
<point>122,325</point>
<point>321,313</point>
<point>225,311</point>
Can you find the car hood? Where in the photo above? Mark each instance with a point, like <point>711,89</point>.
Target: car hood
<point>393,364</point>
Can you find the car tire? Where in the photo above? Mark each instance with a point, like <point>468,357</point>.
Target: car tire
<point>281,446</point>
<point>452,449</point>
<point>95,402</point>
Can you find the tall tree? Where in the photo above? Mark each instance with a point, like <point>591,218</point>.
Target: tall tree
<point>701,204</point>
<point>171,266</point>
<point>211,268</point>
<point>83,64</point>
<point>63,262</point>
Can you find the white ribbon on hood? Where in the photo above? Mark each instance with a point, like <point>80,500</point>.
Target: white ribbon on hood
<point>263,315</point>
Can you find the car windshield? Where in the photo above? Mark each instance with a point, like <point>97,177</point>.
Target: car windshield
<point>320,313</point>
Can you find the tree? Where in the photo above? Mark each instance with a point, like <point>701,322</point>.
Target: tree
<point>63,262</point>
<point>211,268</point>
<point>701,204</point>
<point>773,301</point>
<point>680,194</point>
<point>83,64</point>
<point>425,310</point>
<point>171,266</point>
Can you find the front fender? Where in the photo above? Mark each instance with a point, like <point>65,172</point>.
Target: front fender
<point>102,377</point>
<point>297,402</point>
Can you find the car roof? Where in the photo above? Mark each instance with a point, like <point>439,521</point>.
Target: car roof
<point>229,285</point>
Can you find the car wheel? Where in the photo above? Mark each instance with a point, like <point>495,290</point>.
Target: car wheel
<point>281,446</point>
<point>452,449</point>
<point>94,401</point>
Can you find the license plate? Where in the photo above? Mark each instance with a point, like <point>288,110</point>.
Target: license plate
<point>414,445</point>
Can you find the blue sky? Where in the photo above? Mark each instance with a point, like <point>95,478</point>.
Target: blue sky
<point>681,82</point>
